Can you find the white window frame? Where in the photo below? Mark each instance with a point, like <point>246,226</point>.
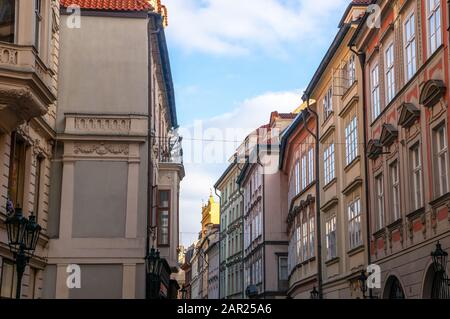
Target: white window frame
<point>328,104</point>
<point>304,172</point>
<point>395,190</point>
<point>331,237</point>
<point>434,25</point>
<point>416,175</point>
<point>305,239</point>
<point>329,164</point>
<point>354,224</point>
<point>312,228</point>
<point>297,177</point>
<point>351,70</point>
<point>441,159</point>
<point>379,187</point>
<point>409,31</point>
<point>389,67</point>
<point>375,91</point>
<point>310,165</point>
<point>351,140</point>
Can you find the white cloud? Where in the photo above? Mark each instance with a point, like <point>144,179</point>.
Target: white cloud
<point>236,27</point>
<point>201,176</point>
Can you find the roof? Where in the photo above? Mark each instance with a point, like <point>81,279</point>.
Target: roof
<point>288,133</point>
<point>113,5</point>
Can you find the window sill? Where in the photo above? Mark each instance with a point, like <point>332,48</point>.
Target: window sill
<point>379,233</point>
<point>348,90</point>
<point>395,224</point>
<point>330,184</point>
<point>416,213</point>
<point>332,261</point>
<point>310,260</point>
<point>327,119</point>
<point>352,163</point>
<point>356,250</point>
<point>440,200</point>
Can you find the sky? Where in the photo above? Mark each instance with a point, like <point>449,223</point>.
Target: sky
<point>233,63</point>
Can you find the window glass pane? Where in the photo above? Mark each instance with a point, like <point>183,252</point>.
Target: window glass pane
<point>164,199</point>
<point>9,280</point>
<point>7,20</point>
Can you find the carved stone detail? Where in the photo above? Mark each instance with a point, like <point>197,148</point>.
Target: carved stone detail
<point>8,56</point>
<point>101,149</point>
<point>96,124</point>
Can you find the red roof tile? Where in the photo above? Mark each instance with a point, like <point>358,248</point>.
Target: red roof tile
<point>114,5</point>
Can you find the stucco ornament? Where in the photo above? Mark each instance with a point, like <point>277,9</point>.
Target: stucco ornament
<point>101,149</point>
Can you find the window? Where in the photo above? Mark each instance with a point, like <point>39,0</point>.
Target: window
<point>410,46</point>
<point>351,70</point>
<point>441,159</point>
<point>354,224</point>
<point>395,191</point>
<point>380,200</point>
<point>311,236</point>
<point>7,20</point>
<point>37,184</point>
<point>8,280</point>
<point>310,166</point>
<point>282,273</point>
<point>163,217</point>
<point>304,176</point>
<point>330,232</point>
<point>328,104</point>
<point>328,157</point>
<point>434,25</point>
<point>297,177</point>
<point>416,175</point>
<point>305,240</point>
<point>17,170</point>
<point>351,141</point>
<point>32,283</point>
<point>375,92</point>
<point>37,21</point>
<point>390,74</point>
<point>299,243</point>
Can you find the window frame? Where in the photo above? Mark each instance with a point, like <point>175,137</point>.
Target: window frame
<point>159,209</point>
<point>433,12</point>
<point>389,71</point>
<point>375,91</point>
<point>13,287</point>
<point>441,170</point>
<point>380,201</point>
<point>416,175</point>
<point>329,164</point>
<point>395,193</point>
<point>354,223</point>
<point>351,140</point>
<point>410,45</point>
<point>328,104</point>
<point>331,237</point>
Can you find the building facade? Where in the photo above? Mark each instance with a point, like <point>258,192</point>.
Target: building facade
<point>231,233</point>
<point>29,58</point>
<point>297,164</point>
<point>265,211</point>
<point>117,165</point>
<point>406,71</point>
<point>337,86</point>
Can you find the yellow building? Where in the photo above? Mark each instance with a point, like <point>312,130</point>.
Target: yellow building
<point>210,214</point>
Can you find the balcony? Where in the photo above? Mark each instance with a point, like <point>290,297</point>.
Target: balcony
<point>25,84</point>
<point>171,151</point>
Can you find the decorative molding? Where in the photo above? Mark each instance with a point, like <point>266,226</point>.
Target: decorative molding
<point>101,149</point>
<point>432,92</point>
<point>8,55</point>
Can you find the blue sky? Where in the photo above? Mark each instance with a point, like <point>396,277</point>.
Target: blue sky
<point>233,62</point>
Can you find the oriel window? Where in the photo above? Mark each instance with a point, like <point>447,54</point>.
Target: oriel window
<point>37,22</point>
<point>7,20</point>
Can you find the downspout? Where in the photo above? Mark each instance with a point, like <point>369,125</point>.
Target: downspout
<point>150,187</point>
<point>220,237</point>
<point>362,61</point>
<point>243,234</point>
<point>317,173</point>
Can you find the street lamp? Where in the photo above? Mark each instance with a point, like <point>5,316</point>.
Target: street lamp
<point>363,282</point>
<point>314,293</point>
<point>23,235</point>
<point>154,267</point>
<point>440,257</point>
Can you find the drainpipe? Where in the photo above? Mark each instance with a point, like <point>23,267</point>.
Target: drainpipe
<point>362,62</point>
<point>150,187</point>
<point>243,235</point>
<point>317,173</point>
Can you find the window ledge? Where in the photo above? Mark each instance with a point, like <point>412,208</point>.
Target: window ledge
<point>352,163</point>
<point>395,224</point>
<point>379,233</point>
<point>332,261</point>
<point>416,213</point>
<point>440,200</point>
<point>329,184</point>
<point>356,250</point>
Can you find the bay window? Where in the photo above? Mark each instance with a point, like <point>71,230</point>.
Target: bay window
<point>297,177</point>
<point>305,240</point>
<point>410,46</point>
<point>434,25</point>
<point>163,217</point>
<point>7,20</point>
<point>37,22</point>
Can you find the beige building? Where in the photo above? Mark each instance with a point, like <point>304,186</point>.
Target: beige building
<point>337,86</point>
<point>29,45</point>
<point>117,163</point>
